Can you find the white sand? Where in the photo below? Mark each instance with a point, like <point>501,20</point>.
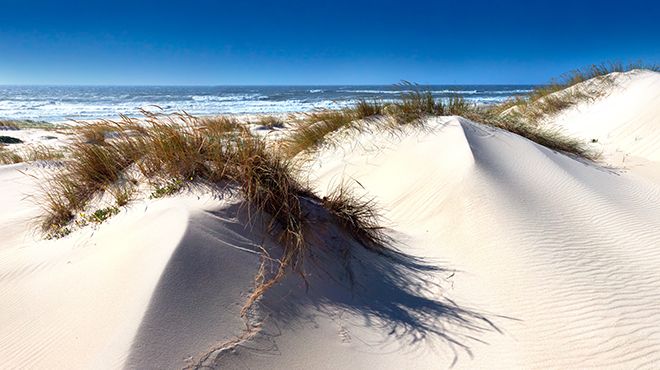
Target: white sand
<point>625,123</point>
<point>559,255</point>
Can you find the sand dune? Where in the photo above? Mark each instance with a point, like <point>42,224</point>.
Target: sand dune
<point>512,256</point>
<point>624,123</point>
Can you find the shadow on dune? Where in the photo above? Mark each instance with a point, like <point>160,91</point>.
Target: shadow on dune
<point>196,304</point>
<point>197,300</point>
<point>397,298</point>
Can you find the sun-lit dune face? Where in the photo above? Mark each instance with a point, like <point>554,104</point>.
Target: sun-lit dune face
<point>623,123</point>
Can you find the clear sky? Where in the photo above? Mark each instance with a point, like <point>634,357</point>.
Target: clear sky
<point>214,42</point>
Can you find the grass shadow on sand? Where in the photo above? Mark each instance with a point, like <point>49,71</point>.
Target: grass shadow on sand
<point>398,299</point>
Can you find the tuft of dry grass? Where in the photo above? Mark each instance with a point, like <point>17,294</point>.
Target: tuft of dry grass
<point>13,124</point>
<point>90,169</point>
<point>43,153</point>
<point>359,216</point>
<point>8,156</point>
<point>270,122</point>
<point>414,105</point>
<point>94,132</point>
<point>314,129</point>
<point>365,109</point>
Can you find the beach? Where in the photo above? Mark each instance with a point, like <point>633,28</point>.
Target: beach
<point>497,250</point>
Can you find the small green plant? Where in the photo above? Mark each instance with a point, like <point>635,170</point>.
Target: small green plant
<point>102,214</point>
<point>170,188</point>
<point>58,232</point>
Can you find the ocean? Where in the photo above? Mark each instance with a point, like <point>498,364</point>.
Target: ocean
<point>62,103</point>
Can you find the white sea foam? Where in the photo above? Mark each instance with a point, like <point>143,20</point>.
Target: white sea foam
<point>64,103</point>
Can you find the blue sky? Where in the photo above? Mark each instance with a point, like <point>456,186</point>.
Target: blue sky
<point>205,42</point>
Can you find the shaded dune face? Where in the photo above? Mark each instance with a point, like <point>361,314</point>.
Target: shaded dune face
<point>195,309</point>
<point>197,301</point>
<point>357,302</point>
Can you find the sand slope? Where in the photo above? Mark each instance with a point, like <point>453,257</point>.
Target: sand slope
<point>151,288</point>
<point>567,249</point>
<point>624,122</point>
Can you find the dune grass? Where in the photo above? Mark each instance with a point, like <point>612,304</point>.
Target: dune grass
<point>30,154</point>
<point>270,122</point>
<point>551,137</point>
<point>358,215</point>
<point>15,124</point>
<point>8,156</point>
<point>173,151</point>
<point>42,153</point>
<point>313,130</point>
<point>522,115</point>
<point>412,108</point>
<point>559,94</point>
<point>93,133</point>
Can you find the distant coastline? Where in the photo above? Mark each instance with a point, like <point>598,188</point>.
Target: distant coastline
<point>62,103</point>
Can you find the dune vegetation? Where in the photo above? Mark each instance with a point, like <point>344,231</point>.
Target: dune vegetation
<point>29,153</point>
<point>270,122</point>
<point>413,109</point>
<point>522,115</point>
<point>8,156</point>
<point>560,94</point>
<point>177,152</point>
<point>12,124</point>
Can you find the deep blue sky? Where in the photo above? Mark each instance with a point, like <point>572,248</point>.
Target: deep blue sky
<point>205,42</point>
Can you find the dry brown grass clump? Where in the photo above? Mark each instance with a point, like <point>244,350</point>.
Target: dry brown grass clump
<point>414,106</point>
<point>93,133</point>
<point>8,156</point>
<point>358,215</point>
<point>270,122</point>
<point>14,124</point>
<point>365,109</point>
<point>550,137</point>
<point>313,131</point>
<point>90,169</point>
<point>43,153</point>
<point>215,152</point>
<point>29,154</point>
